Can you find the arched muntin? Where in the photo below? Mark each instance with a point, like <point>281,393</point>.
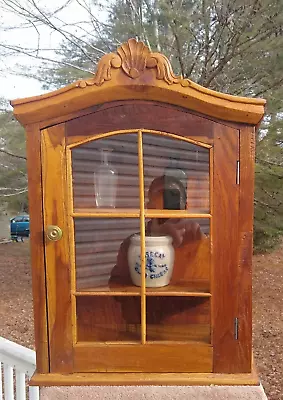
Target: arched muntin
<point>131,131</point>
<point>135,72</point>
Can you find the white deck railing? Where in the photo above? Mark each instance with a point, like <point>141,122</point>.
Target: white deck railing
<point>18,364</point>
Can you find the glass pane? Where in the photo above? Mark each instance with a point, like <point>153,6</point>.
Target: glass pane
<point>101,248</point>
<point>178,253</point>
<point>105,173</point>
<point>176,174</point>
<point>178,319</point>
<point>107,318</point>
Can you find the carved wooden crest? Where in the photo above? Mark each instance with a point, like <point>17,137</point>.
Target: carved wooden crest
<point>133,58</point>
<point>141,68</point>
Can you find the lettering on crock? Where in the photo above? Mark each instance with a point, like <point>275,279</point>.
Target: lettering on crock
<point>153,269</point>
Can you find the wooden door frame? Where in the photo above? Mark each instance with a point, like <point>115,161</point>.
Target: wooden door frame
<point>240,355</point>
<point>57,253</point>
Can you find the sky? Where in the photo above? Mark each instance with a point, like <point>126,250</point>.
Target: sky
<point>14,86</point>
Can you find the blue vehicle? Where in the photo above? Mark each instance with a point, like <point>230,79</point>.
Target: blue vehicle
<point>19,227</point>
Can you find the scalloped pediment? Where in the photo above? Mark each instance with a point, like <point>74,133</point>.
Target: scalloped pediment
<point>133,58</point>
<point>134,72</point>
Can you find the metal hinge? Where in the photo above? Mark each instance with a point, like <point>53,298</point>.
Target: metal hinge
<point>238,173</point>
<point>236,328</point>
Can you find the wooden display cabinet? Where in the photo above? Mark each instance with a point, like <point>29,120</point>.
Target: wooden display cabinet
<point>92,325</point>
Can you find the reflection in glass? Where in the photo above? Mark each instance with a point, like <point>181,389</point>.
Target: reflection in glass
<point>107,318</point>
<point>101,253</point>
<point>191,261</point>
<point>173,198</point>
<point>176,174</point>
<point>176,177</point>
<point>178,319</point>
<point>98,243</point>
<point>105,182</point>
<point>113,161</point>
<point>192,247</point>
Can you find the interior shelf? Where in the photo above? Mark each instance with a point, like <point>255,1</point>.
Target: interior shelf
<point>190,289</point>
<point>197,288</point>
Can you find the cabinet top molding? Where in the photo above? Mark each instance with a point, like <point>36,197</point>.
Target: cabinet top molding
<point>134,72</point>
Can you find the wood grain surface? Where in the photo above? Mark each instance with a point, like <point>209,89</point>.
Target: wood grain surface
<point>57,253</point>
<point>140,115</point>
<point>211,285</point>
<point>225,250</point>
<point>33,137</point>
<point>143,358</point>
<point>131,378</point>
<point>246,208</point>
<point>153,79</point>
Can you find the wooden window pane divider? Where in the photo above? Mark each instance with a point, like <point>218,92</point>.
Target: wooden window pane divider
<point>137,214</point>
<point>107,343</point>
<point>151,294</point>
<point>106,214</point>
<point>142,238</point>
<point>179,294</point>
<point>142,213</point>
<point>137,131</point>
<point>183,289</point>
<point>138,343</point>
<point>106,293</point>
<point>174,214</point>
<point>178,342</point>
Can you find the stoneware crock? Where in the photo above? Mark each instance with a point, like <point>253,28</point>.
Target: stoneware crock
<point>159,259</point>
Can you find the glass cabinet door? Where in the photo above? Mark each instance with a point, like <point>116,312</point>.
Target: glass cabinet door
<point>144,277</point>
<point>130,279</point>
<point>126,189</point>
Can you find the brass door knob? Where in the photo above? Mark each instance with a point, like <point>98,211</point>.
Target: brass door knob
<point>54,233</point>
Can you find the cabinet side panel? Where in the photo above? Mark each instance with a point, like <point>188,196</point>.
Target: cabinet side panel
<point>225,250</point>
<point>247,159</point>
<point>57,252</point>
<point>37,248</point>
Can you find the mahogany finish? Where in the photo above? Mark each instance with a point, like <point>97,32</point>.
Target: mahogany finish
<point>180,357</point>
<point>33,138</point>
<point>225,248</point>
<point>140,379</point>
<point>136,114</point>
<point>245,251</point>
<point>102,329</point>
<point>57,253</point>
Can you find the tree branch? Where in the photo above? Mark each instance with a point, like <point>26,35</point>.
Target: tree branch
<point>14,194</point>
<point>12,155</point>
<point>269,162</point>
<point>67,64</point>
